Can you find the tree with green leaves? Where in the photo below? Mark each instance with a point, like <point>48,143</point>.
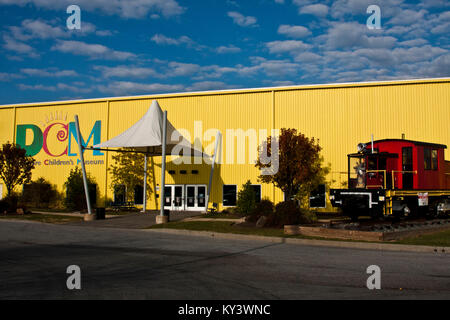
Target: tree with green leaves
<point>128,170</point>
<point>75,194</point>
<point>40,193</point>
<point>246,199</point>
<point>301,167</point>
<point>15,166</point>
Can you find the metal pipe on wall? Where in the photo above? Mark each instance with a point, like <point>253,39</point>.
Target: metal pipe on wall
<point>83,167</point>
<point>163,163</point>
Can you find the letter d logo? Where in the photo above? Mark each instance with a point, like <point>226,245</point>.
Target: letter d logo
<point>21,139</point>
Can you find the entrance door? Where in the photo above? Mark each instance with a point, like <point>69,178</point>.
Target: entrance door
<point>195,197</point>
<point>174,198</point>
<point>407,165</point>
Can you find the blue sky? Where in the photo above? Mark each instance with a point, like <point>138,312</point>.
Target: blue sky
<point>141,47</point>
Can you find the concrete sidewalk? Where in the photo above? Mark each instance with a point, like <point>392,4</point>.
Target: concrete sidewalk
<point>134,220</point>
<point>308,242</point>
<point>71,214</point>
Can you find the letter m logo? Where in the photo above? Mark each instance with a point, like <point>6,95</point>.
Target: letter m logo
<point>95,136</point>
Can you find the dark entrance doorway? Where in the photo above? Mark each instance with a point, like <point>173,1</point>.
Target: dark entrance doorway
<point>407,165</point>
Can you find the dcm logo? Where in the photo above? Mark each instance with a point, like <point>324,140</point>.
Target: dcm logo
<point>64,132</point>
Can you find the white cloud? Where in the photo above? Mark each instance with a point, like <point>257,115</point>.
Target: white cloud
<point>407,17</point>
<point>128,87</point>
<point>348,8</point>
<point>19,47</point>
<point>5,77</point>
<point>242,20</point>
<point>50,72</point>
<point>286,83</point>
<point>210,85</point>
<point>125,72</point>
<point>351,34</point>
<point>137,9</point>
<point>413,43</point>
<point>178,69</point>
<point>41,29</point>
<point>290,46</point>
<point>293,31</point>
<point>319,10</point>
<point>439,67</point>
<point>228,49</point>
<point>57,87</point>
<point>93,51</point>
<point>271,68</point>
<point>307,57</point>
<point>163,40</point>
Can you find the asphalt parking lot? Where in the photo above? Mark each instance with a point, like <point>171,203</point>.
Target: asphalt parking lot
<point>141,264</point>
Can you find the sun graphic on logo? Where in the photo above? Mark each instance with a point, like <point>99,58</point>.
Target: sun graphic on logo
<point>54,116</point>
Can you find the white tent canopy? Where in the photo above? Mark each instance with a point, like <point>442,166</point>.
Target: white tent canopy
<point>153,135</point>
<point>146,135</point>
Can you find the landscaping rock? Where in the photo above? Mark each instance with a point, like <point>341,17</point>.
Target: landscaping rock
<point>261,222</point>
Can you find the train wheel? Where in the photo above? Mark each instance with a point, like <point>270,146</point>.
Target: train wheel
<point>351,213</point>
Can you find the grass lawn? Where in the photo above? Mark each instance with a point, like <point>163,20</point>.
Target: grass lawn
<point>43,218</point>
<point>441,239</point>
<point>220,216</point>
<point>220,227</point>
<point>120,213</point>
<point>51,210</point>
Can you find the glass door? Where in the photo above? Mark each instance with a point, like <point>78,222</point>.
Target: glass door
<point>174,198</point>
<point>178,198</point>
<point>201,197</point>
<point>168,197</point>
<point>190,197</point>
<point>195,197</point>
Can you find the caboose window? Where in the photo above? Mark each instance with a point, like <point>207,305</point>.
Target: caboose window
<point>427,158</point>
<point>434,159</point>
<point>372,165</point>
<point>430,159</point>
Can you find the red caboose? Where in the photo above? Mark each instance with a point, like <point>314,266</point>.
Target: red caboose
<point>395,176</point>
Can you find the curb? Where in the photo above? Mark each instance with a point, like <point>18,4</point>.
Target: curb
<point>218,235</point>
<point>308,242</point>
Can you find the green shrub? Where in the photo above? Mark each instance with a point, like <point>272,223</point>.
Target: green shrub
<point>39,194</point>
<point>4,206</point>
<point>246,200</point>
<point>75,196</point>
<point>263,208</point>
<point>9,203</point>
<point>289,213</point>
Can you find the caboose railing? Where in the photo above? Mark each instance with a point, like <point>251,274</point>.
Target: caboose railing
<point>393,172</point>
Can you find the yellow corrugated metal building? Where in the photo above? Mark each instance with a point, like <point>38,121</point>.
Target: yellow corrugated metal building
<point>339,115</point>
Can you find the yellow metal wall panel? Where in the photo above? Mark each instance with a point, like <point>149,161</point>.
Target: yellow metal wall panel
<point>6,125</point>
<point>54,158</point>
<point>6,134</point>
